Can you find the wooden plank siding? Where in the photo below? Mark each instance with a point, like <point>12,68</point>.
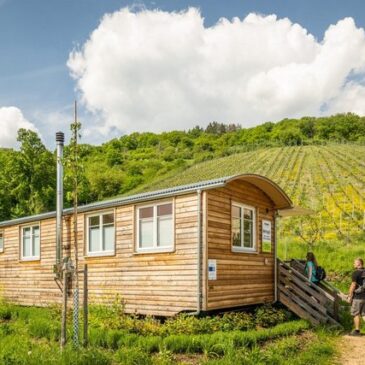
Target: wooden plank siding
<point>153,283</point>
<point>149,283</point>
<point>242,278</point>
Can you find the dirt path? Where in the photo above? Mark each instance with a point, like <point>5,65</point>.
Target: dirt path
<point>352,350</point>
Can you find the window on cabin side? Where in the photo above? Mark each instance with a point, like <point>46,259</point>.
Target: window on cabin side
<point>243,228</point>
<point>101,234</point>
<point>155,227</point>
<point>31,243</point>
<point>1,242</point>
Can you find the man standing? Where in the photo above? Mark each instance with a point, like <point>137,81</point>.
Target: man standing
<point>357,295</point>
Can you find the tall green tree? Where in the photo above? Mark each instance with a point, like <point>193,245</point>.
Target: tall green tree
<point>6,199</point>
<point>33,181</point>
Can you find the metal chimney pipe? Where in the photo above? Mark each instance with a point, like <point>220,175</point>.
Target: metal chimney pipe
<point>60,138</point>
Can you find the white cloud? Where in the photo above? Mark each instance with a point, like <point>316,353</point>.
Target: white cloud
<point>154,70</point>
<point>11,120</point>
<point>352,98</point>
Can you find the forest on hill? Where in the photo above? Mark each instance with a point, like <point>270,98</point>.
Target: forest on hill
<point>125,164</point>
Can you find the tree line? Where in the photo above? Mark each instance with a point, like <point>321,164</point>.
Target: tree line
<point>28,175</point>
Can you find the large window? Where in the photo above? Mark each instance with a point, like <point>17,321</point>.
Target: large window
<point>100,234</point>
<point>243,228</point>
<point>155,227</point>
<point>30,243</point>
<point>1,242</point>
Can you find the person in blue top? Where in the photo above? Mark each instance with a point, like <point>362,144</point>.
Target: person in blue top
<point>311,268</point>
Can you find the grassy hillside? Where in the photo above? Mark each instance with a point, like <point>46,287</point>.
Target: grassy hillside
<point>329,179</point>
<point>27,180</point>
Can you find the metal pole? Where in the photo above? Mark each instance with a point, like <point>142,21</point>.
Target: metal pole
<point>60,138</point>
<point>86,310</point>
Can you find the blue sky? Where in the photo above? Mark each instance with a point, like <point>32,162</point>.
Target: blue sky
<point>37,36</point>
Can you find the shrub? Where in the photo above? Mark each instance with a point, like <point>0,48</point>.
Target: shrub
<point>268,316</point>
<point>133,356</point>
<point>284,348</point>
<point>42,328</point>
<point>13,350</point>
<point>113,317</point>
<point>5,329</point>
<point>128,340</point>
<point>216,344</point>
<point>184,344</point>
<point>113,338</point>
<point>149,326</point>
<point>231,321</point>
<point>84,357</point>
<point>149,344</point>
<point>98,337</point>
<point>5,313</point>
<point>185,324</point>
<point>164,358</point>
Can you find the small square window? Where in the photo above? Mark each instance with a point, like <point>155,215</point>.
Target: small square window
<point>145,213</point>
<point>94,221</point>
<point>108,219</point>
<point>165,209</point>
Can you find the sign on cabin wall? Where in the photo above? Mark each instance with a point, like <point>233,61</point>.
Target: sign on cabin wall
<point>212,269</point>
<point>266,236</point>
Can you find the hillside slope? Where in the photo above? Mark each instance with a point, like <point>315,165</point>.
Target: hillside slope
<point>329,179</point>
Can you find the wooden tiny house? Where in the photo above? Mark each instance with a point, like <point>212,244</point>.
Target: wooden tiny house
<point>198,247</point>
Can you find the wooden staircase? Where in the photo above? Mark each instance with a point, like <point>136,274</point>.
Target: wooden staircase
<point>318,304</point>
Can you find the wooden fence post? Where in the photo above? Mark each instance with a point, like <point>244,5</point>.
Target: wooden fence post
<point>64,310</point>
<point>86,310</point>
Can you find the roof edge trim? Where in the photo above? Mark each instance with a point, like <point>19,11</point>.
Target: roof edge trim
<point>164,193</point>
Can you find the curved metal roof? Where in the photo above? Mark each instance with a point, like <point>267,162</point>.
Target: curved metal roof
<point>273,190</point>
<point>277,195</point>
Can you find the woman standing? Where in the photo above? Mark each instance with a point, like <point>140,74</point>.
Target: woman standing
<point>311,268</point>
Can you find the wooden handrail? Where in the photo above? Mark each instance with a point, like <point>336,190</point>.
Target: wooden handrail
<point>304,278</point>
<point>305,298</point>
<point>325,285</point>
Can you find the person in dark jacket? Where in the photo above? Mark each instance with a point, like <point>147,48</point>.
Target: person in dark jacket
<point>357,296</point>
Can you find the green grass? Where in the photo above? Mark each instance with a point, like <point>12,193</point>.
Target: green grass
<point>309,348</point>
<point>30,336</point>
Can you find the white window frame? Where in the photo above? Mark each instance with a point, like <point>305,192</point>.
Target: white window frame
<point>155,248</point>
<point>2,234</point>
<point>252,249</point>
<point>32,257</point>
<point>103,252</point>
